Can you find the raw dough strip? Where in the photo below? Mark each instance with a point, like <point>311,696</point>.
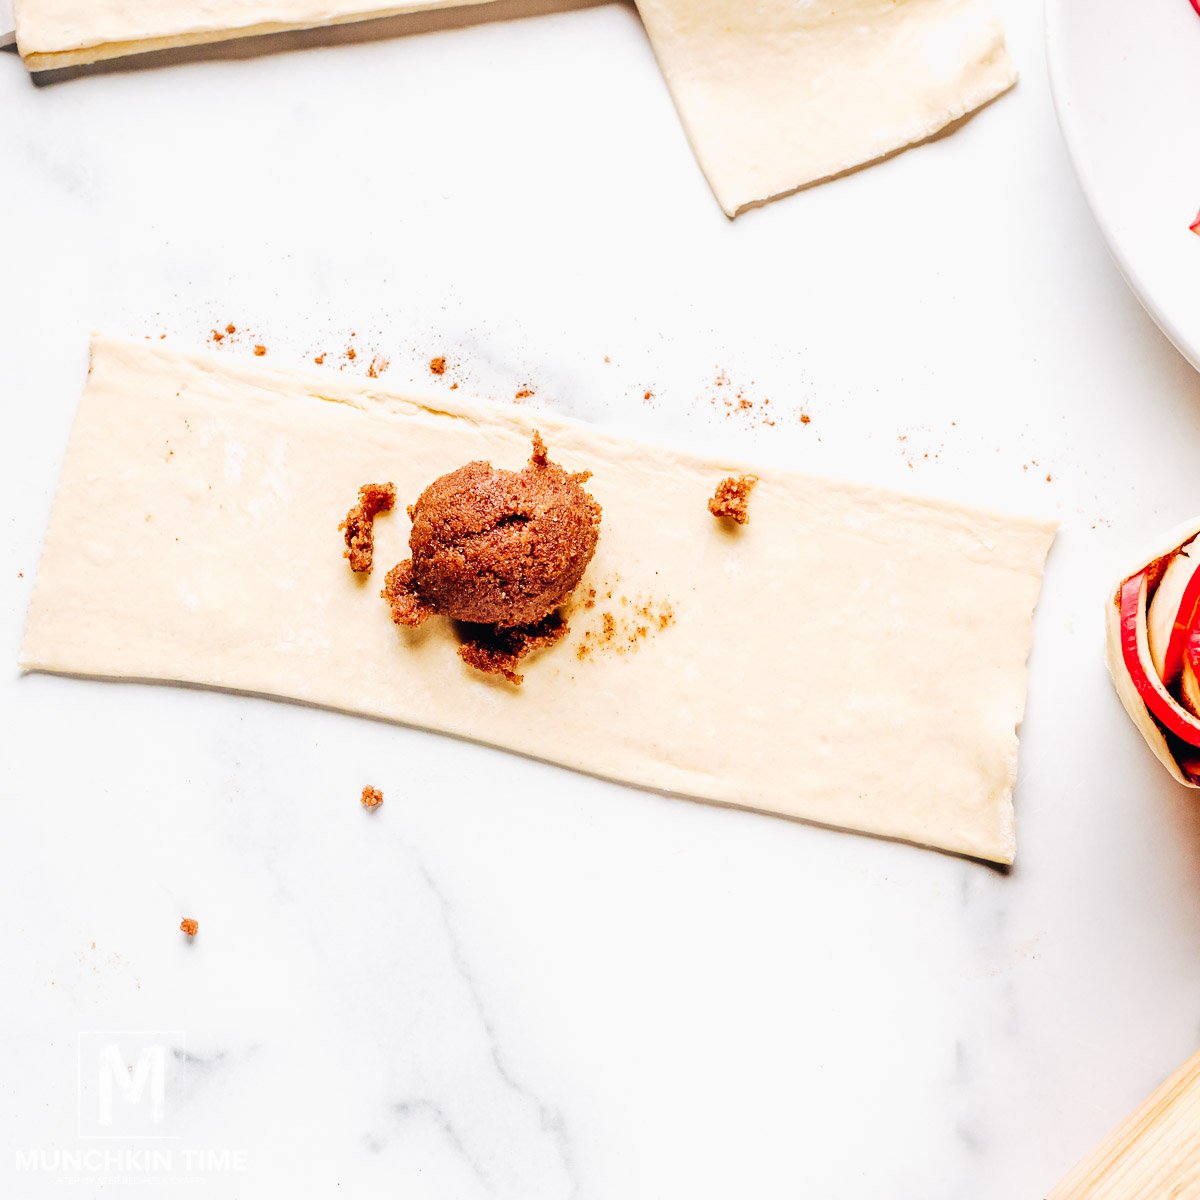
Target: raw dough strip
<point>774,95</point>
<point>853,656</point>
<point>777,94</point>
<point>67,33</point>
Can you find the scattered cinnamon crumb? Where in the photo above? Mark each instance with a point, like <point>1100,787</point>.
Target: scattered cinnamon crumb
<point>625,631</point>
<point>496,651</point>
<point>524,394</point>
<point>437,366</point>
<point>732,497</point>
<point>1049,479</point>
<point>217,336</point>
<point>259,351</point>
<point>648,396</point>
<point>351,353</point>
<point>189,926</point>
<point>805,419</point>
<point>319,360</point>
<point>379,364</point>
<point>371,797</point>
<point>736,402</point>
<point>454,387</point>
<point>359,525</point>
<point>231,329</point>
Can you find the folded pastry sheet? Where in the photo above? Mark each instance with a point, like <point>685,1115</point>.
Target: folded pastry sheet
<point>852,656</point>
<point>777,94</point>
<point>65,33</point>
<point>774,95</point>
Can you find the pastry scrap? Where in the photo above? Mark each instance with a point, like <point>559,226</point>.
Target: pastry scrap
<point>778,94</point>
<point>773,95</point>
<point>829,668</point>
<point>1154,650</point>
<point>731,500</point>
<point>64,33</point>
<point>372,797</point>
<point>499,550</point>
<point>359,525</point>
<point>189,926</point>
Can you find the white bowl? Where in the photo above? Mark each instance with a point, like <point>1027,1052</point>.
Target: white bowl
<point>1125,75</point>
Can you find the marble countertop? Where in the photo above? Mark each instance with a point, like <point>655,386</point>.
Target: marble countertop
<point>512,981</point>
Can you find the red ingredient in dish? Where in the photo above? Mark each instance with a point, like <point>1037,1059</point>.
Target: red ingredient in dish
<point>1135,653</point>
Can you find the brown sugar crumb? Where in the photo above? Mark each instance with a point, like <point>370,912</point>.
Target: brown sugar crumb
<point>496,651</point>
<point>805,419</point>
<point>231,329</point>
<point>399,590</point>
<point>524,394</point>
<point>731,499</point>
<point>320,360</point>
<point>735,402</point>
<point>372,797</point>
<point>217,336</point>
<point>259,351</point>
<point>351,353</point>
<point>437,366</point>
<point>359,525</point>
<point>647,396</point>
<point>379,364</point>
<point>189,926</point>
<point>626,630</point>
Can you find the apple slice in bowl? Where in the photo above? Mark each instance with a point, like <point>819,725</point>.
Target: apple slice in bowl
<point>1154,651</point>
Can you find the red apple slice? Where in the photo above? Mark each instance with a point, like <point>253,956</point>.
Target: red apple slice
<point>1196,6</point>
<point>1135,652</point>
<point>1195,225</point>
<point>1171,613</point>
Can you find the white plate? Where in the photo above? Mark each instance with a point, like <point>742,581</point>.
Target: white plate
<point>1126,83</point>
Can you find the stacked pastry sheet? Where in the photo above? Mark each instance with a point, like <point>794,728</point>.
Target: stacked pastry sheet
<point>773,95</point>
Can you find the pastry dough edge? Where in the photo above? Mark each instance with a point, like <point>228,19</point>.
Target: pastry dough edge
<point>38,60</point>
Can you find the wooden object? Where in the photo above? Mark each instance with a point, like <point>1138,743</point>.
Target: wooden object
<point>1153,1155</point>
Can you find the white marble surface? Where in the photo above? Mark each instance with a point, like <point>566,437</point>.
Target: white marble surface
<point>511,981</point>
